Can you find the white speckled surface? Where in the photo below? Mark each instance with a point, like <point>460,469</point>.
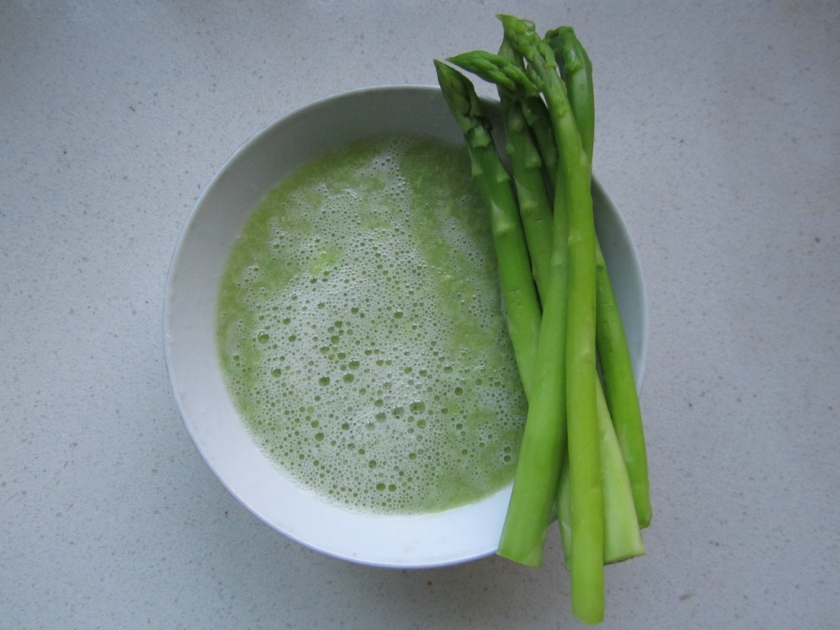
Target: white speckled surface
<point>718,138</point>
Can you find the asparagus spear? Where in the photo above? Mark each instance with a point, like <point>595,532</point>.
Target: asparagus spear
<point>536,113</point>
<point>620,390</point>
<point>526,165</point>
<point>519,294</point>
<point>587,571</point>
<point>622,538</point>
<point>576,70</point>
<point>544,437</point>
<point>613,353</point>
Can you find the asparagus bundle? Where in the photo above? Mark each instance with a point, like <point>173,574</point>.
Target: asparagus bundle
<point>582,450</point>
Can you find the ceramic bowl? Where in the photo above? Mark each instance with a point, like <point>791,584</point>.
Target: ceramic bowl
<point>428,540</point>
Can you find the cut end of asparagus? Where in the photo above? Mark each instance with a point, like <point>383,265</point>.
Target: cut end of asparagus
<point>532,557</point>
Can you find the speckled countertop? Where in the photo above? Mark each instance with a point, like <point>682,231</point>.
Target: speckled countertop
<point>718,138</point>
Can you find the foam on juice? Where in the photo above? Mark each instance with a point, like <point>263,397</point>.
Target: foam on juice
<point>361,333</point>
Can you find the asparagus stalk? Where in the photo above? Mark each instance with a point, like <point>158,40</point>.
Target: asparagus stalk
<point>507,70</point>
<point>544,437</point>
<point>539,120</point>
<point>587,574</point>
<point>517,285</point>
<point>576,70</point>
<point>620,390</point>
<point>622,538</point>
<point>611,342</point>
<point>526,165</point>
<point>564,511</point>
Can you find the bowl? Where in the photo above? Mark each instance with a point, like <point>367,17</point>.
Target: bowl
<point>420,541</point>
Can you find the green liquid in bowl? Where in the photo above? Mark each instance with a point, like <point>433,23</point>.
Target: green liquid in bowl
<point>361,333</point>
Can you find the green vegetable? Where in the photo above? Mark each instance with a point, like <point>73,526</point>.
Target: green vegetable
<point>518,291</point>
<point>539,120</point>
<point>613,353</point>
<point>576,70</point>
<point>526,164</point>
<point>620,390</point>
<point>544,436</point>
<point>622,538</point>
<point>587,509</point>
<point>582,450</point>
<point>536,113</point>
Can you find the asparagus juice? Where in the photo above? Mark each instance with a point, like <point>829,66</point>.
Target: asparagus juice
<point>361,331</point>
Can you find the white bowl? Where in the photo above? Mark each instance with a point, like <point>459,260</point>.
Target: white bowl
<point>449,537</point>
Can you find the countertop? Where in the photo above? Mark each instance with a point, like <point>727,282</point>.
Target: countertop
<point>717,137</point>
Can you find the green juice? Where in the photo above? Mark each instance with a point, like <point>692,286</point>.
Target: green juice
<point>361,331</point>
